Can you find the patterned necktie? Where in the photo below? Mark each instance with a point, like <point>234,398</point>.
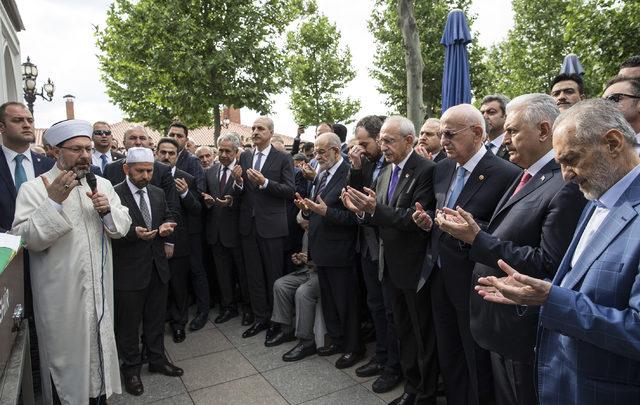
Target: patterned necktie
<point>525,178</point>
<point>103,164</point>
<point>256,166</point>
<point>458,185</point>
<point>321,184</point>
<point>20,173</point>
<point>223,179</point>
<point>393,183</point>
<point>144,209</point>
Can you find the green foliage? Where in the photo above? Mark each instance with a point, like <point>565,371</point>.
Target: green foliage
<point>389,68</point>
<point>162,59</point>
<point>317,71</point>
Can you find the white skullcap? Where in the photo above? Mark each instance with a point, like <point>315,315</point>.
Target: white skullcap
<point>139,155</point>
<point>64,130</point>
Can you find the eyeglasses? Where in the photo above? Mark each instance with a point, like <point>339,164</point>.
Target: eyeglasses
<point>100,132</point>
<point>616,97</point>
<point>77,149</point>
<point>451,134</point>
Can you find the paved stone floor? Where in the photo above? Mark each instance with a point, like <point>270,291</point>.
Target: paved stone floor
<point>220,367</point>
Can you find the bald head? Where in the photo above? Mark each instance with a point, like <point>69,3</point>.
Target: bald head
<point>465,114</point>
<point>462,128</point>
<point>329,139</point>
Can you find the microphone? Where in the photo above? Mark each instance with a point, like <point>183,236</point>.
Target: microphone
<point>93,185</point>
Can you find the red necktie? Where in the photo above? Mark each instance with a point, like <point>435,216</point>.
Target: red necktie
<point>525,178</point>
<point>223,179</point>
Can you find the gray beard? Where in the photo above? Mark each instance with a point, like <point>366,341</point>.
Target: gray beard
<point>80,173</point>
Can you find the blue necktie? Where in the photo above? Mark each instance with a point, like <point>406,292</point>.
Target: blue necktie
<point>103,158</point>
<point>376,172</point>
<point>458,184</point>
<point>393,183</point>
<point>20,173</point>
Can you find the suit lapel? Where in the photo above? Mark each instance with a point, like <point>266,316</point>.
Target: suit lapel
<point>443,182</point>
<point>133,206</point>
<point>382,187</point>
<point>335,178</point>
<point>215,181</point>
<point>476,179</point>
<point>565,264</point>
<point>269,159</point>
<point>406,178</point>
<point>6,175</point>
<point>38,167</point>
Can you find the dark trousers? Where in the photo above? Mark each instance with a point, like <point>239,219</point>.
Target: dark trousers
<point>514,381</point>
<point>414,327</point>
<point>387,350</point>
<point>339,298</point>
<point>229,271</point>
<point>466,367</point>
<point>179,292</point>
<point>132,307</point>
<point>198,273</point>
<point>263,258</point>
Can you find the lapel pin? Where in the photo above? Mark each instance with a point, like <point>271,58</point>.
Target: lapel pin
<point>406,175</point>
<point>481,177</point>
<point>542,178</point>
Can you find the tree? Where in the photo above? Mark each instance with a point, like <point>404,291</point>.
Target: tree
<point>166,58</point>
<point>389,64</point>
<point>317,71</point>
<point>412,61</point>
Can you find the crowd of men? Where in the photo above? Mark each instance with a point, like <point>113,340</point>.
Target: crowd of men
<point>496,250</point>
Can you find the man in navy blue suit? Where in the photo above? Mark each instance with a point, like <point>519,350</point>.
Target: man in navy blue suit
<point>588,347</point>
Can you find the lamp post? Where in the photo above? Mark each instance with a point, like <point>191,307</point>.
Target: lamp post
<point>29,76</point>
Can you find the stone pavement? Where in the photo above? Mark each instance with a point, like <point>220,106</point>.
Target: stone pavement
<point>222,368</point>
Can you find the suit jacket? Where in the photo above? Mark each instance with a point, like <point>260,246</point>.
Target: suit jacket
<point>589,338</point>
<point>191,164</point>
<point>222,222</point>
<point>531,232</point>
<point>8,193</point>
<point>134,258</point>
<point>403,243</point>
<point>190,210</point>
<point>439,156</point>
<point>481,193</point>
<point>268,205</point>
<point>503,152</point>
<point>332,238</point>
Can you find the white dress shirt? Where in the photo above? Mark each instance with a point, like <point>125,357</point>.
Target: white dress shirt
<point>96,157</point>
<point>229,170</point>
<point>540,163</point>
<point>331,171</point>
<point>27,163</point>
<point>265,152</point>
<point>469,166</point>
<point>495,144</point>
<point>134,190</point>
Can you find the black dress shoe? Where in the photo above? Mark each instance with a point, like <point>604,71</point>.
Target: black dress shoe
<point>386,382</point>
<point>405,399</point>
<point>199,321</point>
<point>329,350</point>
<point>273,330</point>
<point>279,338</point>
<point>133,385</point>
<point>166,368</point>
<point>179,335</point>
<point>247,319</point>
<point>370,369</point>
<point>349,359</point>
<point>257,327</point>
<point>226,315</point>
<point>299,352</point>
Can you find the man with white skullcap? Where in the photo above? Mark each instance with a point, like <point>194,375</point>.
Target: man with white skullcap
<point>68,227</point>
<point>142,272</point>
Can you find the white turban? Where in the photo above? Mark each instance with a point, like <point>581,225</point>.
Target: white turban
<point>65,130</point>
<point>139,155</point>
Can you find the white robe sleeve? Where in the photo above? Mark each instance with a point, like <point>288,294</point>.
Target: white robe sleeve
<point>120,218</point>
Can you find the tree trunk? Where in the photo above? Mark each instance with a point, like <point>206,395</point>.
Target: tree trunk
<point>413,62</point>
<point>216,124</point>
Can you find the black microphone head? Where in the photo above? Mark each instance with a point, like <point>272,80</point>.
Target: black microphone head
<point>91,181</point>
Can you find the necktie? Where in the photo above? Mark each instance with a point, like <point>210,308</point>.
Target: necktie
<point>144,209</point>
<point>376,172</point>
<point>321,184</point>
<point>458,185</point>
<point>20,173</point>
<point>525,178</point>
<point>256,166</point>
<point>393,182</point>
<point>103,160</point>
<point>223,179</point>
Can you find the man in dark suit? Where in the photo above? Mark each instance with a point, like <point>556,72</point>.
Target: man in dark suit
<point>401,185</point>
<point>474,179</point>
<point>367,161</point>
<point>332,237</point>
<point>223,205</point>
<point>190,164</point>
<point>102,143</point>
<point>167,153</point>
<point>141,272</point>
<point>531,229</point>
<point>493,109</point>
<point>429,146</point>
<point>265,177</point>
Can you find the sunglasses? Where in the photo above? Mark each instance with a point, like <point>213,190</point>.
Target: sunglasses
<point>101,132</point>
<point>616,97</point>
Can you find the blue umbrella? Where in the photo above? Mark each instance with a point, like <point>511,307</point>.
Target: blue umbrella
<point>456,87</point>
<point>571,64</point>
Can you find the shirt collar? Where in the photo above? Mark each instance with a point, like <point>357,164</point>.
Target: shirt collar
<point>265,152</point>
<point>134,189</point>
<point>97,153</point>
<point>11,154</point>
<point>173,170</point>
<point>231,165</point>
<point>404,161</point>
<point>475,159</point>
<point>335,166</point>
<point>611,196</point>
<point>498,141</point>
<point>540,163</point>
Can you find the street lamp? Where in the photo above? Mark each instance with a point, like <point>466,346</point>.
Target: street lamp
<point>29,76</point>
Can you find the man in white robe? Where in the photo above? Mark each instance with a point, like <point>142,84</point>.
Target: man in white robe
<point>68,230</point>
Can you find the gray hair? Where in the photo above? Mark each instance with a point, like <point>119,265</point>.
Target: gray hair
<point>404,124</point>
<point>535,108</point>
<point>595,117</point>
<point>135,128</point>
<point>268,120</point>
<point>500,98</point>
<point>230,137</point>
<point>432,121</point>
<point>333,140</point>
